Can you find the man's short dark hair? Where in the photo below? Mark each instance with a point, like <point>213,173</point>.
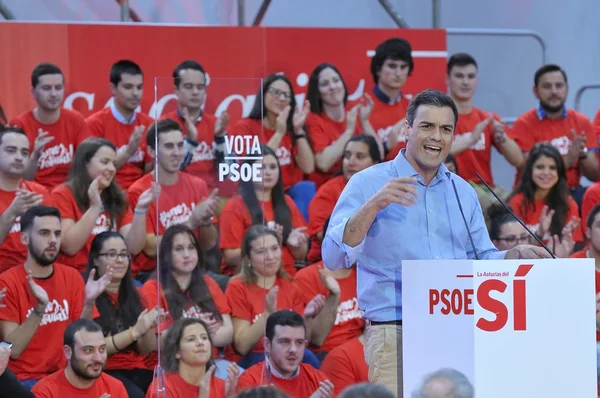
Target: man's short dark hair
<point>76,326</point>
<point>460,59</point>
<point>187,64</point>
<point>121,67</point>
<point>283,318</point>
<point>394,49</point>
<point>37,211</point>
<point>43,69</point>
<point>11,129</point>
<point>547,69</point>
<point>430,97</point>
<point>160,127</point>
<point>592,216</point>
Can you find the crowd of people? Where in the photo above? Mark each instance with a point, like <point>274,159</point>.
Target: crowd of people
<point>242,297</point>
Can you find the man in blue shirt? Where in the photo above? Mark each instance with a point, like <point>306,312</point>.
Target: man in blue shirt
<point>406,209</point>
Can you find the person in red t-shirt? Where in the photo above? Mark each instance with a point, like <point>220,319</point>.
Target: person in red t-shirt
<point>91,202</point>
<point>285,342</point>
<point>16,195</point>
<point>85,350</point>
<point>328,124</point>
<point>542,201</point>
<point>277,122</point>
<point>262,287</point>
<point>391,65</point>
<point>360,152</point>
<point>476,130</point>
<point>188,364</point>
<point>344,367</point>
<point>569,131</point>
<point>122,125</point>
<point>185,290</point>
<point>263,202</point>
<point>127,326</point>
<point>42,297</point>
<point>54,132</point>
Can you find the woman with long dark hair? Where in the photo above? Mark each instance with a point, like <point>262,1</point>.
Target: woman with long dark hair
<point>263,202</point>
<point>279,123</point>
<point>185,290</point>
<point>91,202</point>
<point>189,366</point>
<point>541,199</point>
<point>330,124</point>
<point>128,327</point>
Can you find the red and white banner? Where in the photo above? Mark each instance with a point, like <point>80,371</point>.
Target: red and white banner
<point>508,328</point>
<point>235,59</point>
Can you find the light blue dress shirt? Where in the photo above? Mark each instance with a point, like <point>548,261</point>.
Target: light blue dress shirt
<point>431,229</point>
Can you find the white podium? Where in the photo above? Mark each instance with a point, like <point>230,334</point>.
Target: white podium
<point>513,328</point>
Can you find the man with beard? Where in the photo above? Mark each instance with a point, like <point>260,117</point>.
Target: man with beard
<point>85,351</point>
<point>122,125</point>
<point>42,298</point>
<point>285,341</point>
<point>16,195</point>
<point>569,131</point>
<point>54,132</point>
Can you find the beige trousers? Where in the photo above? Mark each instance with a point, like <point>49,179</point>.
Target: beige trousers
<point>383,353</point>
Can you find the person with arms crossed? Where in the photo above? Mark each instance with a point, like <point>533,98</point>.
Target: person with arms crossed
<point>85,351</point>
<point>374,225</point>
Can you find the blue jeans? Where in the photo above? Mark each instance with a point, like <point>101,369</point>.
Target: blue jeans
<point>302,193</point>
<point>28,384</point>
<point>253,358</point>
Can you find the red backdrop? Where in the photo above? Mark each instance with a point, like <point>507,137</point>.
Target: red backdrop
<point>86,52</point>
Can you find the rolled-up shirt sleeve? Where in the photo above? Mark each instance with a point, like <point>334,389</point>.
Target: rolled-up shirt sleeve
<point>334,252</point>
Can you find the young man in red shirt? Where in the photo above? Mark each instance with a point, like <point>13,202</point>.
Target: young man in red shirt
<point>54,132</point>
<point>569,131</point>
<point>85,351</point>
<point>285,341</point>
<point>16,195</point>
<point>390,67</point>
<point>121,124</point>
<point>477,130</point>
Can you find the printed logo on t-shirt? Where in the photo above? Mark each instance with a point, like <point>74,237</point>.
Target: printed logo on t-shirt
<point>137,157</point>
<point>55,312</point>
<point>16,227</point>
<point>347,311</point>
<point>562,144</point>
<point>176,215</point>
<point>203,152</point>
<point>479,145</point>
<point>284,156</point>
<point>56,155</point>
<point>192,312</point>
<point>102,224</point>
<point>384,134</point>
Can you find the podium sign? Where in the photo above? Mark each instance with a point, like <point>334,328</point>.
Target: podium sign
<point>507,328</point>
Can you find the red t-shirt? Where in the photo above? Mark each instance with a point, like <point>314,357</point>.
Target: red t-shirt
<point>63,198</point>
<point>57,386</point>
<point>596,124</point>
<point>176,387</point>
<point>175,202</point>
<point>348,320</point>
<point>529,130</point>
<point>384,117</point>
<point>236,219</point>
<point>302,386</point>
<point>103,124</point>
<point>590,199</point>
<point>478,157</point>
<point>324,131</point>
<point>344,365</point>
<point>248,301</point>
<point>44,353</point>
<point>286,152</point>
<point>12,251</point>
<point>68,132</point>
<point>319,210</point>
<point>532,217</point>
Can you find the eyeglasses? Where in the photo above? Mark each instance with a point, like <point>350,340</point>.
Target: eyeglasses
<point>112,256</point>
<point>279,93</point>
<point>511,240</point>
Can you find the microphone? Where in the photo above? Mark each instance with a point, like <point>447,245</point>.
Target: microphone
<point>513,214</point>
<point>465,220</point>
